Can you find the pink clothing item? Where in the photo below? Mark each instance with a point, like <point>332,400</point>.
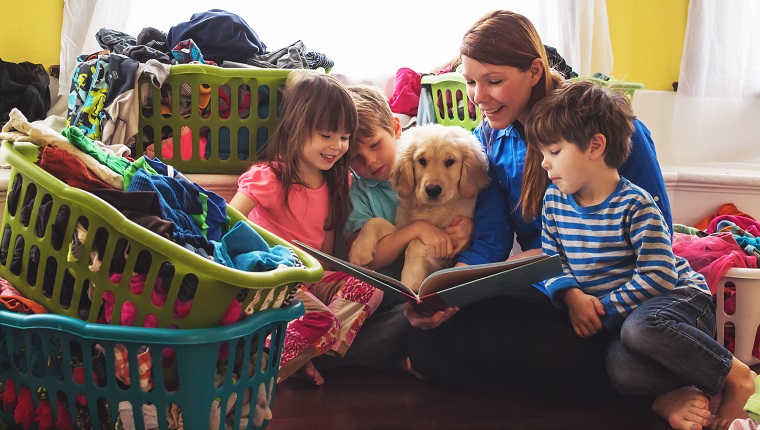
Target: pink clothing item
<point>406,92</point>
<point>712,256</point>
<point>747,224</point>
<point>308,212</point>
<point>744,424</point>
<point>185,145</point>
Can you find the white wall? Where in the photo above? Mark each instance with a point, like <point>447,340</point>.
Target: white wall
<point>695,191</point>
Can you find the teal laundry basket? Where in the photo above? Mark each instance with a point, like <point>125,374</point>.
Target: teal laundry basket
<point>192,371</point>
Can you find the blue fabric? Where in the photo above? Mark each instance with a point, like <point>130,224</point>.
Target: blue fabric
<point>498,218</point>
<point>618,251</point>
<point>178,201</point>
<point>220,35</point>
<point>216,212</point>
<point>667,343</point>
<point>244,249</point>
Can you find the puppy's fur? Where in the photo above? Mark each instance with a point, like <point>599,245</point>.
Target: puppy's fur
<point>438,174</point>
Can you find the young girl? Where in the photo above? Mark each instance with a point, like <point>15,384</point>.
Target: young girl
<point>300,191</point>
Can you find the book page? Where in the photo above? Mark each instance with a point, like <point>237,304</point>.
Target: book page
<point>369,276</point>
<point>455,276</point>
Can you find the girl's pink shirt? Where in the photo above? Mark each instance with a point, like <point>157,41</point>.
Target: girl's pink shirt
<point>307,213</point>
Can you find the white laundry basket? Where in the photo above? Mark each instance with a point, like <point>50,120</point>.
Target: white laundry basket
<point>746,318</point>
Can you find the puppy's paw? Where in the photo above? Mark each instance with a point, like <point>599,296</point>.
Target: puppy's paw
<point>361,254</point>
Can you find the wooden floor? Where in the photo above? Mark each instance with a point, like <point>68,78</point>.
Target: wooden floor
<point>354,398</point>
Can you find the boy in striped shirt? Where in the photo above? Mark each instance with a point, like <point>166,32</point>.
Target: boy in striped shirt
<point>621,277</point>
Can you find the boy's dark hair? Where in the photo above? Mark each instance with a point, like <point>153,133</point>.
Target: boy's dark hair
<point>578,110</point>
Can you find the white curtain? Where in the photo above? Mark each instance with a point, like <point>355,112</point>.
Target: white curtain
<point>367,41</point>
<point>716,118</point>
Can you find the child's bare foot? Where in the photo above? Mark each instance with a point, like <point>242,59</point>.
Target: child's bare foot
<point>406,364</point>
<point>739,385</point>
<point>309,373</point>
<point>685,408</point>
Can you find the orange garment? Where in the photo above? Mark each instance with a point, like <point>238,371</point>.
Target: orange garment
<point>726,209</point>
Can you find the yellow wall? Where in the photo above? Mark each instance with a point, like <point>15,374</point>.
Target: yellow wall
<point>647,37</point>
<point>32,31</point>
<point>647,40</point>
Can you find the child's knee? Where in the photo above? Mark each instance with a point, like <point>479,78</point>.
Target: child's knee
<point>360,292</point>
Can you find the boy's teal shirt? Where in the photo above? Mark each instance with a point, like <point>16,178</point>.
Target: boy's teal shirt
<point>370,199</point>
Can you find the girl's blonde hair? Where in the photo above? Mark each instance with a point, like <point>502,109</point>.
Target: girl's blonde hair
<point>505,38</point>
<point>312,102</point>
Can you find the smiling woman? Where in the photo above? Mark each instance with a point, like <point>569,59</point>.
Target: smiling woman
<point>421,35</point>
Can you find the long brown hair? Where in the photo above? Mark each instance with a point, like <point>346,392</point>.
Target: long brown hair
<point>312,102</point>
<point>505,38</point>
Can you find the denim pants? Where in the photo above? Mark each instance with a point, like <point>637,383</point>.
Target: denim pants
<point>667,343</point>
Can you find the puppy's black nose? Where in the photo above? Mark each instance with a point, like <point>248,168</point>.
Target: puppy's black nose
<point>433,190</point>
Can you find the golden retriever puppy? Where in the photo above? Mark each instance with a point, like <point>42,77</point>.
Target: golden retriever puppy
<point>438,174</point>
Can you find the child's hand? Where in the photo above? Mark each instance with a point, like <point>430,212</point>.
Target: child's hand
<point>435,239</point>
<point>460,231</point>
<point>427,322</point>
<point>585,311</point>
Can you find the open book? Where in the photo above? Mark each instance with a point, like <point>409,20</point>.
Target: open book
<point>455,286</point>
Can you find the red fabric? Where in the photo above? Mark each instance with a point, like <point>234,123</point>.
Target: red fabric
<point>726,209</point>
<point>406,92</point>
<point>24,412</point>
<point>70,169</point>
<point>9,395</point>
<point>64,419</point>
<point>44,415</point>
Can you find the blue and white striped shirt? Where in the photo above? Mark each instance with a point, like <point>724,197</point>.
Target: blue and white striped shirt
<point>618,251</point>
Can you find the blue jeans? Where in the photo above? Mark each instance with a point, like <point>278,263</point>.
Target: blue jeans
<point>667,343</point>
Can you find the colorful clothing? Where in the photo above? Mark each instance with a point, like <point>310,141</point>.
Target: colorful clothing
<point>337,306</point>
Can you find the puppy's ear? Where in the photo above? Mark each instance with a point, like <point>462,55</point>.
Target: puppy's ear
<point>474,175</point>
<point>403,172</point>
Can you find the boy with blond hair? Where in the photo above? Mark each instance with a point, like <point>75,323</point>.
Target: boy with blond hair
<point>382,340</point>
<point>371,160</point>
<point>621,278</point>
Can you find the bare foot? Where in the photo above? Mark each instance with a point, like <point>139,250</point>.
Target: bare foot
<point>408,366</point>
<point>739,385</point>
<point>685,408</point>
<point>309,373</point>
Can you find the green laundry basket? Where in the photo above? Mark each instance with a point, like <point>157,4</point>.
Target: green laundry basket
<point>231,365</point>
<point>450,102</point>
<point>226,116</point>
<point>625,87</point>
<point>39,221</point>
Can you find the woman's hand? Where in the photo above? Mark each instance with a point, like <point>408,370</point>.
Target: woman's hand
<point>460,231</point>
<point>427,322</point>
